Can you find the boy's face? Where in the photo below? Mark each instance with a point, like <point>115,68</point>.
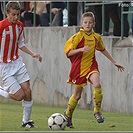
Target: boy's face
<point>88,24</point>
<point>13,15</point>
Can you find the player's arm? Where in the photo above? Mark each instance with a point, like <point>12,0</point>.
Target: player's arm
<point>28,51</point>
<point>25,49</point>
<point>70,47</point>
<point>76,51</point>
<point>106,53</point>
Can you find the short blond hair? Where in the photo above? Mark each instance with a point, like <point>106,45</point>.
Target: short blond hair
<point>88,14</point>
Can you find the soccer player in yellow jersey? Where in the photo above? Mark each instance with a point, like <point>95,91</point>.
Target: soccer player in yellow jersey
<point>80,49</point>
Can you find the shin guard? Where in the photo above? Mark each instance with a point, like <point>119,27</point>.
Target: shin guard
<point>97,97</point>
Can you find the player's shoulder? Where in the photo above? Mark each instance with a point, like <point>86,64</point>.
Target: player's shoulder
<point>19,23</point>
<point>79,33</point>
<point>74,35</point>
<point>96,35</point>
<point>3,23</point>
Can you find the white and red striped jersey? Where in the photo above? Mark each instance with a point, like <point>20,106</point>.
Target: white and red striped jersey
<point>11,38</point>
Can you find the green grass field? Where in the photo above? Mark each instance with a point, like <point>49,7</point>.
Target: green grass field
<point>83,120</point>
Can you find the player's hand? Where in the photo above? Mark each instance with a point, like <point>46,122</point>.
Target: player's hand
<point>120,68</point>
<point>38,56</point>
<point>85,49</point>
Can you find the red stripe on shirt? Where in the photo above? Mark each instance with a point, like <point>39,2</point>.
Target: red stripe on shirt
<point>9,36</point>
<point>16,52</point>
<point>76,61</point>
<point>13,42</point>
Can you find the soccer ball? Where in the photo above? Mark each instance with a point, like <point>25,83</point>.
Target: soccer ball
<point>57,121</point>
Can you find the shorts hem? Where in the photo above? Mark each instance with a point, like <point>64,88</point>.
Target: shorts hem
<point>77,86</point>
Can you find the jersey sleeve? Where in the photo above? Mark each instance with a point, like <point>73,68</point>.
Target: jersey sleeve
<point>21,38</point>
<point>99,43</point>
<point>71,44</point>
<point>0,34</point>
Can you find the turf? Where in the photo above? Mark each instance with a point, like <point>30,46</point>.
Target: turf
<point>83,120</point>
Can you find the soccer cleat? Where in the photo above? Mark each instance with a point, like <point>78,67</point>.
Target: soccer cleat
<point>99,117</point>
<point>29,124</point>
<point>69,120</point>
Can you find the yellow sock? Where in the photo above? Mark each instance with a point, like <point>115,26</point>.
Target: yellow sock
<point>71,106</point>
<point>97,96</point>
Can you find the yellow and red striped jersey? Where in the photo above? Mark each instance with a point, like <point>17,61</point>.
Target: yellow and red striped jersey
<point>84,62</point>
<point>11,38</point>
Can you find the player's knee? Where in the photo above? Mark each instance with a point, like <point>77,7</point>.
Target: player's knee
<point>28,91</point>
<point>77,97</point>
<point>78,92</point>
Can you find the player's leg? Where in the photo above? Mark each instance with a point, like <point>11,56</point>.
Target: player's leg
<point>72,103</point>
<point>27,104</point>
<point>15,80</point>
<point>20,91</point>
<point>24,95</point>
<point>24,92</point>
<point>17,93</point>
<point>11,89</point>
<point>97,96</point>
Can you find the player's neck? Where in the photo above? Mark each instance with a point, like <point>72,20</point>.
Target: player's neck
<point>10,21</point>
